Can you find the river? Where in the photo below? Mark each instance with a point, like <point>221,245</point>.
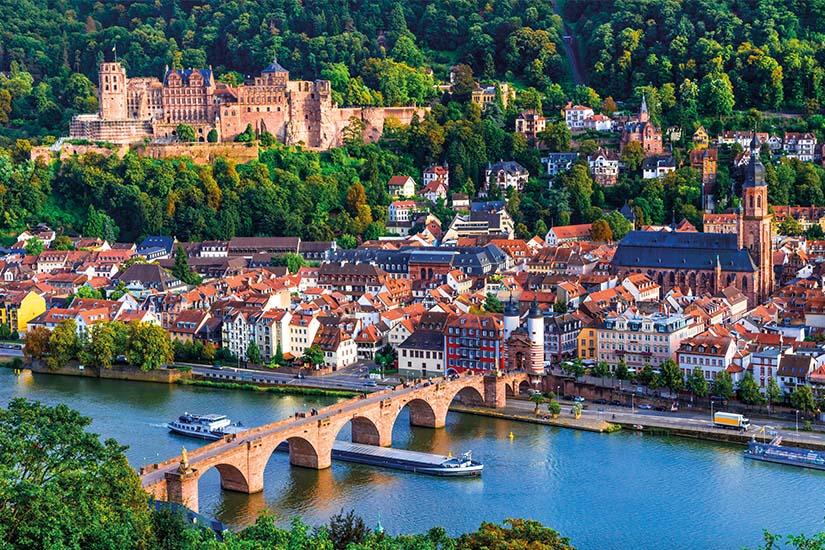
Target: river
<point>605,492</point>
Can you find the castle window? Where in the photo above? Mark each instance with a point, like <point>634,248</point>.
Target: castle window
<point>759,201</point>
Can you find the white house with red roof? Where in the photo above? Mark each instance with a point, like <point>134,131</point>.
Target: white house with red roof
<point>401,186</point>
<point>575,115</point>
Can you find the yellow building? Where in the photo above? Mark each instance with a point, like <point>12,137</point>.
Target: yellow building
<point>588,343</point>
<point>17,308</point>
<point>701,139</point>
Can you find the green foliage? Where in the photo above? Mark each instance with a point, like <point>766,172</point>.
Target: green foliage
<point>185,133</point>
<point>697,384</point>
<point>293,262</point>
<point>773,392</point>
<point>749,391</point>
<point>148,346</point>
<point>560,307</point>
<point>253,353</point>
<point>34,247</point>
<point>59,483</point>
<point>670,375</point>
<point>554,408</point>
<point>181,269</point>
<point>515,533</point>
<point>621,372</point>
<point>538,399</point>
<point>723,385</point>
<point>492,304</point>
<point>802,399</point>
<point>212,136</point>
<point>64,344</point>
<point>314,355</point>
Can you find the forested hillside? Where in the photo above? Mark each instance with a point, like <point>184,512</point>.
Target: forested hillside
<point>766,54</point>
<point>374,52</point>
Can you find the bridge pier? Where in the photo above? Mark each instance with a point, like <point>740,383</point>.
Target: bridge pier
<point>364,431</point>
<point>495,391</point>
<point>182,488</point>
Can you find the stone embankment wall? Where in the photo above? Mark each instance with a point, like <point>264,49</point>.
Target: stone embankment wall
<point>164,376</point>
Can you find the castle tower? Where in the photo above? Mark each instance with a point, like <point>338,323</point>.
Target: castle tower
<point>112,86</point>
<point>535,329</point>
<point>511,318</point>
<point>755,228</point>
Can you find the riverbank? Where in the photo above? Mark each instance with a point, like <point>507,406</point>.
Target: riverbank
<point>282,389</point>
<point>647,425</point>
<point>562,421</point>
<point>118,372</point>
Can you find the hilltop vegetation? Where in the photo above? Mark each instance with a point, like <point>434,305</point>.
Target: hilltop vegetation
<point>734,53</point>
<point>377,52</point>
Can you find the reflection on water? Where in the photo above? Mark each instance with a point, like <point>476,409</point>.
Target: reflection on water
<point>614,491</point>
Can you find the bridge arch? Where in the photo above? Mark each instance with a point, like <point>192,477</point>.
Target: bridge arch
<point>364,430</point>
<point>302,452</point>
<point>232,478</point>
<point>468,395</point>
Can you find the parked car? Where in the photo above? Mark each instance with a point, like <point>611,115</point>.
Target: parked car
<point>579,399</point>
<point>645,406</point>
<point>615,403</point>
<point>371,383</point>
<point>600,401</point>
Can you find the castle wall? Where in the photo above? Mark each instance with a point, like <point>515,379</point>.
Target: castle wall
<point>201,153</point>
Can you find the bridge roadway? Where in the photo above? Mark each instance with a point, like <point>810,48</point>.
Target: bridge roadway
<point>241,458</point>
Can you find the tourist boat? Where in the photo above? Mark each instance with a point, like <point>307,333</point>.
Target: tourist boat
<point>204,426</point>
<point>792,456</point>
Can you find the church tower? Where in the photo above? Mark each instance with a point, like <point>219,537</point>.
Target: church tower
<point>112,86</point>
<point>644,116</point>
<point>755,228</point>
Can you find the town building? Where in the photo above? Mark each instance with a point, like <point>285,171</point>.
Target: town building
<point>604,166</point>
<point>799,145</point>
<point>642,130</point>
<point>530,123</point>
<point>575,115</point>
<point>561,234</point>
<point>475,342</point>
<point>641,338</point>
<point>401,186</point>
<point>506,175</point>
<point>556,163</point>
<point>658,166</point>
<point>421,355</point>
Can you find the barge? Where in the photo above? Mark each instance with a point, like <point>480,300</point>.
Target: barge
<point>792,456</point>
<point>401,459</point>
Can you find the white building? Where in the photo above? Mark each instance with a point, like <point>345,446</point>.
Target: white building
<point>575,115</point>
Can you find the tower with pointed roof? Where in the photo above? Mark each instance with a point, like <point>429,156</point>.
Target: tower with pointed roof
<point>535,329</point>
<point>755,228</point>
<point>644,116</point>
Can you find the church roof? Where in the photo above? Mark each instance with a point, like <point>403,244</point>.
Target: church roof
<point>186,74</point>
<point>675,250</point>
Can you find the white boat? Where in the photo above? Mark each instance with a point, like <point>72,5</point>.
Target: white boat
<point>204,426</point>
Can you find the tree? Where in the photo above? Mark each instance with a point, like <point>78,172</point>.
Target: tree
<point>293,262</point>
<point>148,346</point>
<point>34,247</point>
<point>386,356</point>
<point>671,376</point>
<point>37,343</point>
<point>181,269</point>
<point>514,534</point>
<point>278,358</point>
<point>602,369</point>
<point>697,384</point>
<point>463,82</point>
<point>554,408</point>
<point>619,225</point>
<point>100,349</point>
<point>600,231</point>
<point>346,529</point>
<point>749,391</point>
<point>574,367</point>
<point>253,353</point>
<point>556,137</point>
<point>560,307</point>
<point>492,304</point>
<point>64,345</point>
<point>314,355</point>
<point>185,133</point>
<point>62,242</point>
<point>723,385</point>
<point>774,392</point>
<point>212,136</point>
<point>62,487</point>
<point>633,156</point>
<point>802,399</point>
<point>538,399</point>
<point>621,371</point>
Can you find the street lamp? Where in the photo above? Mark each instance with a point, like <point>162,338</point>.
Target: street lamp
<point>797,420</point>
<point>711,410</point>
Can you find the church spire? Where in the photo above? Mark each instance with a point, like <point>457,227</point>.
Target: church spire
<point>644,116</point>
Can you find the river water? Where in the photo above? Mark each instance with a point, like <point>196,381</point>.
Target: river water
<point>617,491</point>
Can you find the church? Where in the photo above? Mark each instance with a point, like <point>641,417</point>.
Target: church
<point>709,262</point>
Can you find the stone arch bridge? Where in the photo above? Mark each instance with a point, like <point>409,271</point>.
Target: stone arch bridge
<point>240,459</point>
